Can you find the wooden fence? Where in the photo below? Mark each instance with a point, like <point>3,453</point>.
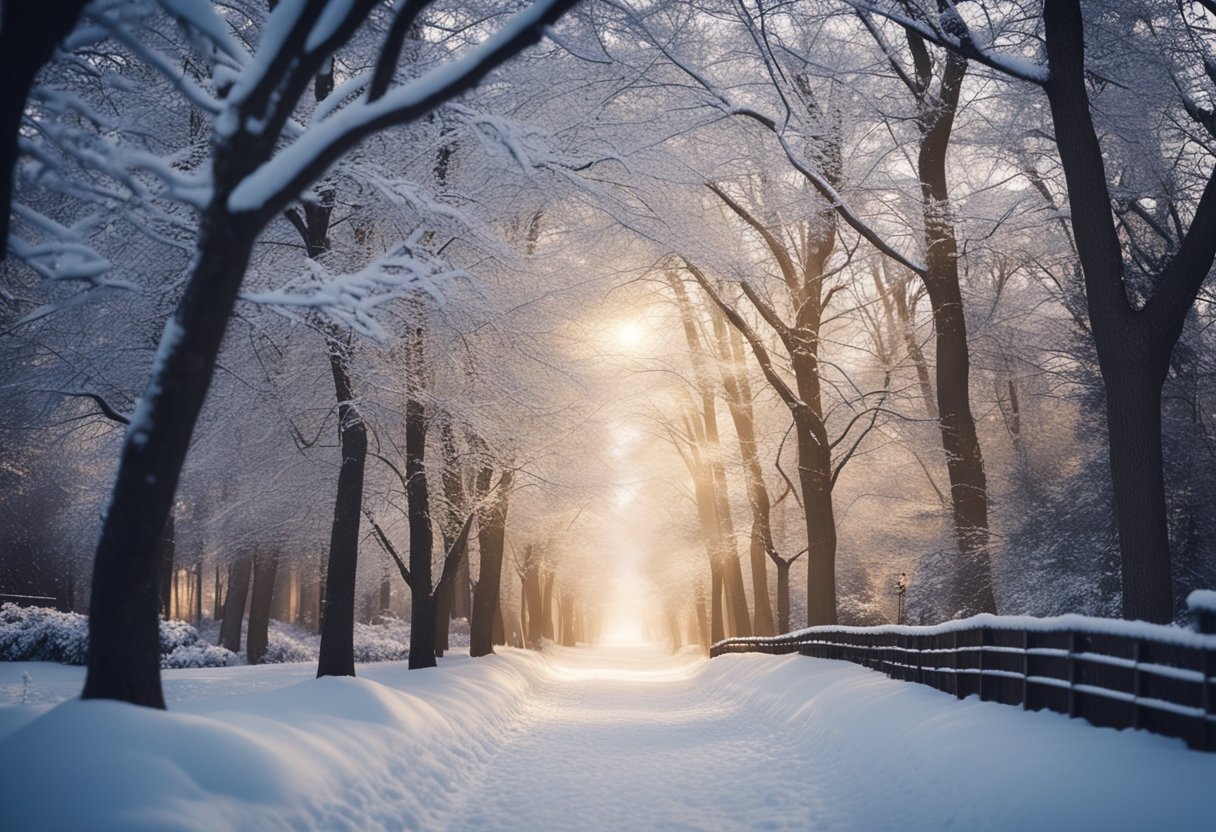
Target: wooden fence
<point>1117,674</point>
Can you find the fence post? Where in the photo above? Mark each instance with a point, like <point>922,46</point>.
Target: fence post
<point>958,691</point>
<point>1207,736</point>
<point>1137,687</point>
<point>1025,669</point>
<point>985,641</point>
<point>1072,673</point>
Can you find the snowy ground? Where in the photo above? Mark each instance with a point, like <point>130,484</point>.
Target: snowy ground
<point>607,738</point>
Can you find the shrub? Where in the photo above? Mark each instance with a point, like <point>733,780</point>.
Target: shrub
<point>40,634</point>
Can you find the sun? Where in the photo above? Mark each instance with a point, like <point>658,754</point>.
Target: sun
<point>630,335</point>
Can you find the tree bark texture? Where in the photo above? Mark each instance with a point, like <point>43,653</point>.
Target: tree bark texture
<point>265,568</point>
<point>337,652</point>
<point>234,603</point>
<point>491,537</point>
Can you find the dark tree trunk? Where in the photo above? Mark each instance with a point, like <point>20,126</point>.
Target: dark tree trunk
<point>234,603</point>
<point>168,552</point>
<point>1133,416</point>
<point>265,565</point>
<point>491,537</point>
<point>500,628</point>
<point>972,584</point>
<point>124,636</point>
<point>385,601</point>
<point>783,595</point>
<point>815,482</point>
<point>462,601</point>
<point>337,653</point>
<point>531,601</point>
<point>443,617</point>
<point>198,593</point>
<point>29,33</point>
<point>457,508</point>
<point>736,594</point>
<point>422,610</point>
<point>217,607</point>
<point>1133,345</point>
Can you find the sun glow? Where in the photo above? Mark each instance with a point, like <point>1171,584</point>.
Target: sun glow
<point>630,335</point>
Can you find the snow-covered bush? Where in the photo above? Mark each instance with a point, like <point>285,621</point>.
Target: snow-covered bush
<point>41,634</point>
<point>199,655</point>
<point>385,642</point>
<point>290,644</point>
<point>181,646</point>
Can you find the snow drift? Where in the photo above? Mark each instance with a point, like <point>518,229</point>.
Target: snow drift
<point>608,738</point>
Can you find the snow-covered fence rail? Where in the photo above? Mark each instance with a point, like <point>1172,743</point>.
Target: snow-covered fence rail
<point>1120,674</point>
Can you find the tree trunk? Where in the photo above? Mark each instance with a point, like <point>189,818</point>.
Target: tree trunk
<point>717,624</point>
<point>217,607</point>
<point>1133,416</point>
<point>29,33</point>
<point>736,595</point>
<point>462,602</point>
<point>814,470</point>
<point>443,618</point>
<point>234,603</point>
<point>500,628</point>
<point>783,595</point>
<point>337,653</point>
<point>546,608</point>
<point>198,593</point>
<point>565,634</point>
<point>532,600</point>
<point>385,601</point>
<point>972,579</point>
<point>124,636</point>
<point>265,566</point>
<point>457,508</point>
<point>168,551</point>
<point>1133,345</point>
<point>491,537</point>
<point>422,544</point>
<point>702,616</point>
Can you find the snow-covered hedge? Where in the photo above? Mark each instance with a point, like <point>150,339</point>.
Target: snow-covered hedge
<point>41,634</point>
<point>182,646</point>
<point>387,641</point>
<point>47,635</point>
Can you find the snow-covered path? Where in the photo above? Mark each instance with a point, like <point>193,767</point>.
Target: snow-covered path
<point>627,738</point>
<point>604,738</point>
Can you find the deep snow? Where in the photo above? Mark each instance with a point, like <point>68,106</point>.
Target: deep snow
<point>606,738</point>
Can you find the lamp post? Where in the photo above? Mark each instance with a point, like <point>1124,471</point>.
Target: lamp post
<point>901,588</point>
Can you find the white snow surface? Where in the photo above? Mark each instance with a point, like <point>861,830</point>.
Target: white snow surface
<point>623,737</point>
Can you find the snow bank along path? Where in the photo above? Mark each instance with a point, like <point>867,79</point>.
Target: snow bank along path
<point>606,738</point>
